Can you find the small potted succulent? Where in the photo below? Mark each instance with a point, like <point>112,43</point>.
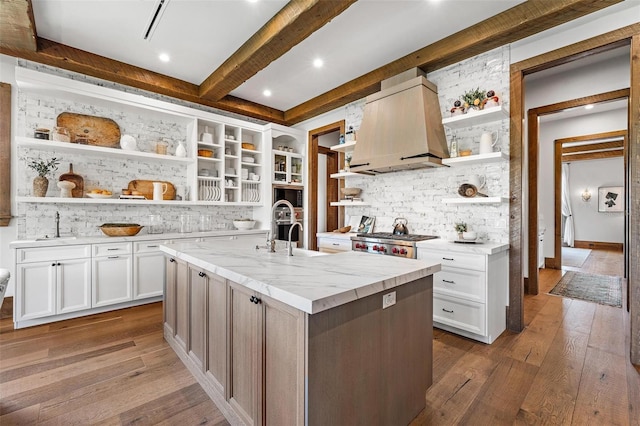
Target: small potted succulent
<point>460,227</point>
<point>40,182</point>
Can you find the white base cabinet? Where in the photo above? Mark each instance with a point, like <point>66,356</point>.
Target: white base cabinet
<point>470,293</point>
<point>52,282</point>
<point>111,277</point>
<point>148,269</point>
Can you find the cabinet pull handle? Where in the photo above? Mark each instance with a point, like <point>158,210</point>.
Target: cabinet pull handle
<point>447,311</point>
<point>172,260</point>
<point>112,249</point>
<point>449,281</point>
<point>448,258</point>
<point>156,246</point>
<point>113,257</point>
<point>53,264</point>
<point>335,244</point>
<point>58,263</point>
<point>255,299</point>
<point>202,274</point>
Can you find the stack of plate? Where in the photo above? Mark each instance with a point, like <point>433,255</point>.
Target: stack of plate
<point>209,192</point>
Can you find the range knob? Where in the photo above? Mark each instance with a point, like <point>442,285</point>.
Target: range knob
<point>403,251</point>
<point>394,250</point>
<point>375,248</point>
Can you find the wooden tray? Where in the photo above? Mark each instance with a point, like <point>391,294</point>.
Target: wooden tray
<point>98,130</point>
<point>146,188</point>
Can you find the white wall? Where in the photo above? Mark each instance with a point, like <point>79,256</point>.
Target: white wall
<point>591,225</point>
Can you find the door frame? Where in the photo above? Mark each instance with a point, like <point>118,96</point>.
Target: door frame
<point>555,262</point>
<point>607,41</point>
<point>533,116</point>
<point>312,214</point>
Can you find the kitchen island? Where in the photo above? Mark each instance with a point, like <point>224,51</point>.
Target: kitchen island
<point>305,339</point>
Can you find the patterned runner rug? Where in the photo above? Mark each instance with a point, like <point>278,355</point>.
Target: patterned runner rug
<point>601,289</point>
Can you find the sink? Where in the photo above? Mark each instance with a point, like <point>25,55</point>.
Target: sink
<point>46,238</point>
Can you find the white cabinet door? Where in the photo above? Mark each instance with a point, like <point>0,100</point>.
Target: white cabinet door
<point>148,274</point>
<point>73,278</point>
<point>35,290</point>
<point>111,280</point>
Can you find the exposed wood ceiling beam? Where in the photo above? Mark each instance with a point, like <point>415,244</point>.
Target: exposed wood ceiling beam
<point>18,27</point>
<point>69,58</point>
<point>297,20</point>
<point>509,26</point>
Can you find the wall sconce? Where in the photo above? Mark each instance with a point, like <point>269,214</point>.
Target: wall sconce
<point>586,195</point>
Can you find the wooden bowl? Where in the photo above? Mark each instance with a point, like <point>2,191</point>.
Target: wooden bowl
<point>465,152</point>
<point>350,192</point>
<point>205,153</point>
<point>120,229</point>
<point>246,145</point>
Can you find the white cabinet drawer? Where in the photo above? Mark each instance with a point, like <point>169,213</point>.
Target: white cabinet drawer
<point>335,244</point>
<point>459,282</point>
<point>454,259</point>
<point>110,249</point>
<point>147,246</point>
<point>459,313</point>
<point>52,253</point>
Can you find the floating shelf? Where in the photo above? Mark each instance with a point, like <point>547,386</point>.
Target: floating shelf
<point>476,200</point>
<point>344,203</point>
<point>486,115</point>
<point>60,200</point>
<point>476,159</point>
<point>343,175</point>
<point>101,150</point>
<point>344,147</point>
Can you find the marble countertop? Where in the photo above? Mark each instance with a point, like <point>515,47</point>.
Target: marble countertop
<point>340,235</point>
<point>485,247</point>
<point>67,241</point>
<point>310,281</point>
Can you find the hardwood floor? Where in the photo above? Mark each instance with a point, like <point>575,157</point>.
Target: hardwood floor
<point>569,366</point>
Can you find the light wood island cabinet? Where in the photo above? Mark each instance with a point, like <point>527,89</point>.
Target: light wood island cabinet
<point>263,361</point>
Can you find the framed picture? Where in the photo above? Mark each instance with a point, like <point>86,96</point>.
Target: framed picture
<point>611,199</point>
<point>366,224</point>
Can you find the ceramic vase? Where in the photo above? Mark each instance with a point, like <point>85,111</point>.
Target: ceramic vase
<point>40,186</point>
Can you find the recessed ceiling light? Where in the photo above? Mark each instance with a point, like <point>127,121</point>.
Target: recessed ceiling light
<point>588,106</point>
<point>252,1</point>
<point>164,57</point>
<point>318,63</point>
<point>267,92</point>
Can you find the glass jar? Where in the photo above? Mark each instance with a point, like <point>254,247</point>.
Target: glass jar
<point>161,147</point>
<point>205,223</point>
<point>155,224</point>
<point>185,223</point>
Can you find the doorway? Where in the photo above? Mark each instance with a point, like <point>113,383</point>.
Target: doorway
<point>315,151</point>
<point>520,150</point>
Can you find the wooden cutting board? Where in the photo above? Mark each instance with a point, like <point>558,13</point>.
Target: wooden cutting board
<point>78,191</point>
<point>100,131</point>
<point>146,188</point>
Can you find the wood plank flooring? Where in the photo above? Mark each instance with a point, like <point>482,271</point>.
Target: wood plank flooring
<point>569,366</point>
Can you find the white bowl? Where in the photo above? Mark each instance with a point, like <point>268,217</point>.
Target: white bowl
<point>469,235</point>
<point>244,224</point>
<point>128,143</point>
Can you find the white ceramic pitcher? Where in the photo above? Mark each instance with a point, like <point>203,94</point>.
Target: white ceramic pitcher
<point>159,189</point>
<point>478,181</point>
<point>487,141</point>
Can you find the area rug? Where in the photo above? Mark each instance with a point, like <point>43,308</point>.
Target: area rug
<point>601,289</point>
<point>574,257</point>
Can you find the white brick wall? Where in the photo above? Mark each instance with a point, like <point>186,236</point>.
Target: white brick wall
<point>417,195</point>
<point>40,110</point>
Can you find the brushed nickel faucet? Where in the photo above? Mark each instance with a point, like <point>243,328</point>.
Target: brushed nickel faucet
<point>290,248</point>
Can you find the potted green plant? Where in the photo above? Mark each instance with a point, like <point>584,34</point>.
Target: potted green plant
<point>474,99</point>
<point>40,182</point>
<point>460,228</point>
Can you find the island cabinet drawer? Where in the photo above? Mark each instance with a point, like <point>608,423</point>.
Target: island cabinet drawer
<point>452,259</point>
<point>464,283</point>
<point>459,313</point>
<point>334,244</point>
<point>147,246</point>
<point>109,249</point>
<point>52,253</point>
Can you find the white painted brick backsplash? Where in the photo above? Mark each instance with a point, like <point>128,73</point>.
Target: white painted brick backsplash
<point>417,195</point>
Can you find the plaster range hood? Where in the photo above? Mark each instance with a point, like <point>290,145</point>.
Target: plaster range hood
<point>401,127</point>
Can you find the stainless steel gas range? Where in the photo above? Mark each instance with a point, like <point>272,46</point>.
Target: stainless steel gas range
<point>388,243</point>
